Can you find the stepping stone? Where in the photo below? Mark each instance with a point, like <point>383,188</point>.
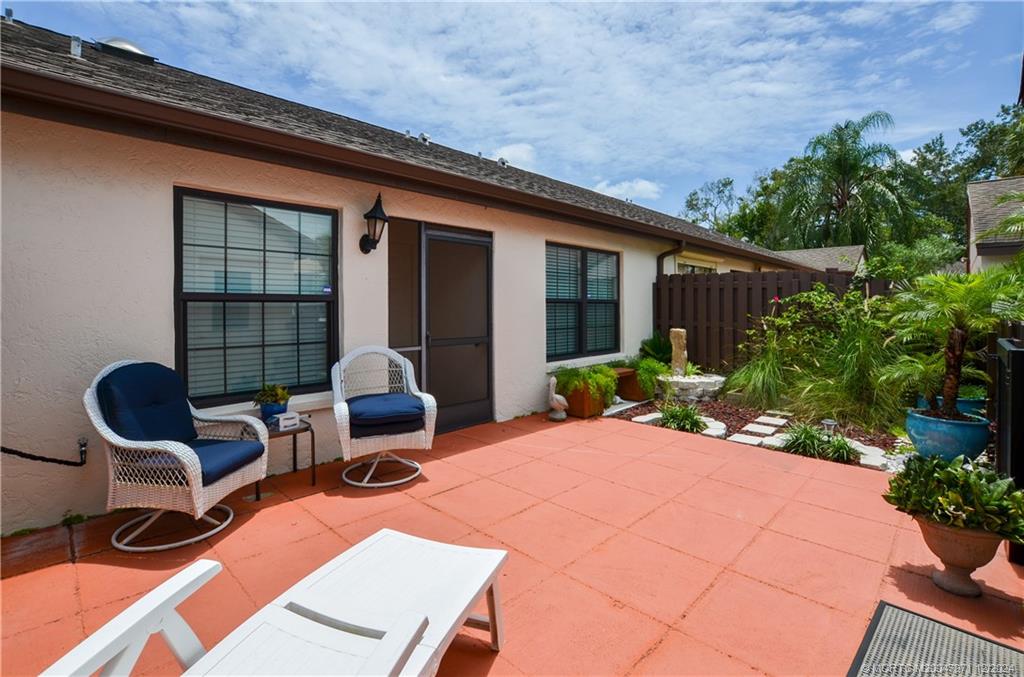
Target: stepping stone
<point>776,412</point>
<point>759,429</point>
<point>745,439</point>
<point>774,441</point>
<point>717,433</point>
<point>771,420</point>
<point>865,450</point>
<point>647,418</point>
<point>712,423</point>
<point>875,462</point>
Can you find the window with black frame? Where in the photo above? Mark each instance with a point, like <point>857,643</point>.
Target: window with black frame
<point>256,295</point>
<point>582,288</point>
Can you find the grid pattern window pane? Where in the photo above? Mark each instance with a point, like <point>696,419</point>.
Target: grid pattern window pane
<point>601,327</point>
<point>582,289</point>
<point>563,328</point>
<point>563,272</point>
<point>602,276</point>
<point>257,297</point>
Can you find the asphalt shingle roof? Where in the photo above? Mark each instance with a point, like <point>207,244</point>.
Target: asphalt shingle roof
<point>45,52</point>
<point>985,213</point>
<point>823,258</point>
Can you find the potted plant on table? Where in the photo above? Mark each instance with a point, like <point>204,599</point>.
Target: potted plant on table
<point>588,390</point>
<point>964,512</point>
<point>272,399</point>
<point>951,310</point>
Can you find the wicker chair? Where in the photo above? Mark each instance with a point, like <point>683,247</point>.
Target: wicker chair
<point>214,456</point>
<point>378,408</point>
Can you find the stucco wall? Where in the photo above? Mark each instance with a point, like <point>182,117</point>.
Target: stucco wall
<point>88,273</point>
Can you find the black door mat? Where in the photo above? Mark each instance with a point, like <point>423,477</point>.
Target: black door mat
<point>902,643</point>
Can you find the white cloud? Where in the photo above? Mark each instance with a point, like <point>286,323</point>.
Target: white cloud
<point>907,154</point>
<point>522,155</point>
<point>631,189</point>
<point>954,17</point>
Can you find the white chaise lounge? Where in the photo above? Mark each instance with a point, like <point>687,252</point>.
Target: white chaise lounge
<point>390,605</point>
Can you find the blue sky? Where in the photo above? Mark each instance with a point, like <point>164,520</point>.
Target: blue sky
<point>642,101</point>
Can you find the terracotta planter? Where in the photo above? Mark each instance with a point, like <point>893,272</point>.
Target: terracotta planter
<point>961,551</point>
<point>629,385</point>
<point>583,405</point>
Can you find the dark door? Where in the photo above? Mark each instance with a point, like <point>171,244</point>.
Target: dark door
<point>458,326</point>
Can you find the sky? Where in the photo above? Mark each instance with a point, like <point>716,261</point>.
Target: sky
<point>640,101</point>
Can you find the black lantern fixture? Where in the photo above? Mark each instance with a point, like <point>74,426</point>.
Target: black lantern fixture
<point>376,219</point>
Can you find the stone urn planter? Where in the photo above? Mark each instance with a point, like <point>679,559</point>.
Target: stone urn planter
<point>961,551</point>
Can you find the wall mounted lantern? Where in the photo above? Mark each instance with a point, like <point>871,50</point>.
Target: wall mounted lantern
<point>376,219</point>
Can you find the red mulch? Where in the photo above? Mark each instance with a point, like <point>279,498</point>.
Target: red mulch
<point>735,417</point>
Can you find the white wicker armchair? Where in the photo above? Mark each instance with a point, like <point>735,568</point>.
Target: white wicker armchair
<point>375,370</point>
<point>167,475</point>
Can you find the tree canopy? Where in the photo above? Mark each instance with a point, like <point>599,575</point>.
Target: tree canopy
<point>847,187</point>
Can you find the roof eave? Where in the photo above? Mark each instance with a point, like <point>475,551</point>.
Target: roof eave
<point>55,89</point>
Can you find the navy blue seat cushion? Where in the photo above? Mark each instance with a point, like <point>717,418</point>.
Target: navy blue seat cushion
<point>384,408</point>
<point>222,457</point>
<point>146,402</point>
<point>388,428</point>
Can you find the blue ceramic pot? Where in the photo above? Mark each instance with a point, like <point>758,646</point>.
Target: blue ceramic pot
<point>948,439</point>
<point>268,410</point>
<point>965,405</point>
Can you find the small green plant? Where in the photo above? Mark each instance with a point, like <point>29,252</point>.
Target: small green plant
<point>840,450</point>
<point>20,532</point>
<point>271,393</point>
<point>960,494</point>
<point>657,347</point>
<point>693,369</point>
<point>761,380</point>
<point>648,370</point>
<point>71,519</point>
<point>599,380</point>
<point>681,417</point>
<point>804,439</point>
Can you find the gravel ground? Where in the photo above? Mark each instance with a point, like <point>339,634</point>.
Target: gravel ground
<point>735,417</point>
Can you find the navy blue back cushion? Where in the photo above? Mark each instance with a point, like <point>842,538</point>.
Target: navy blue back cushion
<point>146,402</point>
<point>385,408</point>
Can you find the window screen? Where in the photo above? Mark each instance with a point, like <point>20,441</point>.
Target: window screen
<point>582,288</point>
<point>257,297</point>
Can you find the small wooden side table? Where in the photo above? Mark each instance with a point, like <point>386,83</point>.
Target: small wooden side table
<point>304,427</point>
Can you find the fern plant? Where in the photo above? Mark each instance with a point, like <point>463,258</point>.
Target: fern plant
<point>599,380</point>
<point>647,372</point>
<point>682,417</point>
<point>657,347</point>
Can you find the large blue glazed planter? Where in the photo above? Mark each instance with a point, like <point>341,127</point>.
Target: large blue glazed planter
<point>272,409</point>
<point>965,405</point>
<point>948,439</point>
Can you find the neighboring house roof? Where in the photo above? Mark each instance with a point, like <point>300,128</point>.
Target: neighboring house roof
<point>986,214</point>
<point>958,266</point>
<point>37,65</point>
<point>846,259</point>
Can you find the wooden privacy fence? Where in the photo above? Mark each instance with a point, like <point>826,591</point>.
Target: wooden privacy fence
<point>717,309</point>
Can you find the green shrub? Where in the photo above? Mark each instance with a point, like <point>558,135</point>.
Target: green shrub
<point>600,380</point>
<point>959,494</point>
<point>806,440</point>
<point>657,347</point>
<point>973,391</point>
<point>761,380</point>
<point>647,372</point>
<point>692,369</point>
<point>681,417</point>
<point>271,393</point>
<point>840,450</point>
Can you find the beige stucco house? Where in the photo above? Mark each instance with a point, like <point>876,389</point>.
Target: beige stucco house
<point>153,213</point>
<point>984,213</point>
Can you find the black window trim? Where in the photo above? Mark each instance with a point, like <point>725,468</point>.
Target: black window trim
<point>181,297</point>
<point>582,302</point>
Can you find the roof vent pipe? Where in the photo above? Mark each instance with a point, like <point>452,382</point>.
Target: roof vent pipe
<point>9,15</point>
<point>425,138</point>
<point>503,162</point>
<point>76,47</point>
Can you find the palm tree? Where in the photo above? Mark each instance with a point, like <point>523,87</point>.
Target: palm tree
<point>844,190</point>
<point>953,308</point>
<point>1012,225</point>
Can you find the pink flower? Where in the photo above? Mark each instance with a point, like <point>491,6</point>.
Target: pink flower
<point>775,299</point>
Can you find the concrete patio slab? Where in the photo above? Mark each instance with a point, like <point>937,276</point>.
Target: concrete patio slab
<point>632,550</point>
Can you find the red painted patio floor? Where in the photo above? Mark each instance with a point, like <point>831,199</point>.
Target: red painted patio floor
<point>633,550</point>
